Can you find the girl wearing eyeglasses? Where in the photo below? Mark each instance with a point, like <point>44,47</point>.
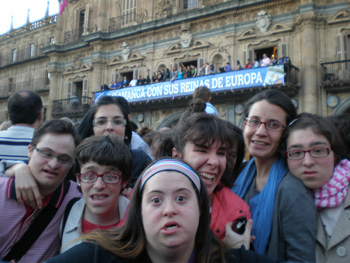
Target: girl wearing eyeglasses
<point>282,208</point>
<point>103,168</point>
<point>316,155</point>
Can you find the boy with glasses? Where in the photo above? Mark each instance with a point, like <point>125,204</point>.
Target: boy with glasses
<point>51,154</point>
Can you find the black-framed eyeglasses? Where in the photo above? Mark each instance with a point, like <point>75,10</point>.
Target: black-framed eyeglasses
<point>62,159</point>
<point>109,177</point>
<point>271,125</point>
<point>300,154</point>
<point>103,122</point>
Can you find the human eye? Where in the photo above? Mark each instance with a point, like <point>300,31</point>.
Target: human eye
<point>111,177</point>
<point>273,125</point>
<point>65,159</point>
<point>118,121</point>
<point>156,200</point>
<point>296,154</point>
<point>319,152</point>
<point>253,121</point>
<point>88,177</point>
<point>46,154</point>
<point>100,121</point>
<point>181,198</point>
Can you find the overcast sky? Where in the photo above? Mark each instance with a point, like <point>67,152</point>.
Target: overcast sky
<point>19,10</point>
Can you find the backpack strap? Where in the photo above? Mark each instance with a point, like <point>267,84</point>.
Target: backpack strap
<point>66,213</point>
<point>35,229</point>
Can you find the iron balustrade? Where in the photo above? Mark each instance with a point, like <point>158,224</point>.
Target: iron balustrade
<point>74,106</point>
<point>335,71</point>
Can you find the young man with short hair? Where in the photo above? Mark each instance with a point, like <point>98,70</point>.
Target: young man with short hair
<point>51,154</point>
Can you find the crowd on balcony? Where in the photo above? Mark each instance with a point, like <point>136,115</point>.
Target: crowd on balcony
<point>192,71</point>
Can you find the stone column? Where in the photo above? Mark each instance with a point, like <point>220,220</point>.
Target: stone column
<point>102,15</point>
<point>55,91</point>
<point>310,89</point>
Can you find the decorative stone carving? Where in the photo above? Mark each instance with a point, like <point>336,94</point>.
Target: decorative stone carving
<point>163,8</point>
<point>263,21</point>
<point>126,51</point>
<point>186,36</point>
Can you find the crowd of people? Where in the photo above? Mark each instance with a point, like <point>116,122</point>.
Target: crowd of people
<point>192,71</point>
<point>203,190</point>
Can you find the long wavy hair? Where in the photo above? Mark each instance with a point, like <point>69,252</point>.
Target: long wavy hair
<point>130,241</point>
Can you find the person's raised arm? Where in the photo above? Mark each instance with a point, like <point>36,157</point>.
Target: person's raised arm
<point>27,190</point>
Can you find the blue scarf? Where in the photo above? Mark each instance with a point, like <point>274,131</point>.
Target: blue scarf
<point>261,205</point>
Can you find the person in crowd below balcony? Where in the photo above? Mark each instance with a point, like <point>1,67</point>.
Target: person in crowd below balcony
<point>274,61</point>
<point>133,83</point>
<point>104,87</point>
<point>212,69</point>
<point>189,72</point>
<point>173,74</point>
<point>74,101</point>
<point>25,110</point>
<point>168,222</point>
<point>228,67</point>
<point>118,83</point>
<point>110,115</point>
<point>193,71</point>
<point>154,78</point>
<point>204,94</point>
<point>282,208</point>
<point>125,83</point>
<point>203,140</point>
<point>206,68</point>
<point>239,66</point>
<point>160,76</point>
<point>316,155</point>
<point>112,85</point>
<point>167,75</point>
<point>141,81</point>
<point>180,73</point>
<point>256,63</point>
<point>249,64</point>
<point>103,168</point>
<point>265,61</point>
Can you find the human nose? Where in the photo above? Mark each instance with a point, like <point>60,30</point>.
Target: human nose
<point>99,184</point>
<point>213,159</point>
<point>53,162</point>
<point>109,125</point>
<point>308,160</point>
<point>261,128</point>
<point>169,209</point>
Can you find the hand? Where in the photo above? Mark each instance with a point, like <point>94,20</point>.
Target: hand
<point>127,192</point>
<point>27,190</point>
<point>234,240</point>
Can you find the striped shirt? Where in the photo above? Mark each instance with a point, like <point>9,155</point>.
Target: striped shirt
<point>16,218</point>
<point>14,143</point>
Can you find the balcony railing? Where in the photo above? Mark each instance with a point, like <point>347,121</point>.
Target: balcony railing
<point>35,84</point>
<point>21,55</point>
<point>71,107</point>
<point>335,71</point>
<point>73,36</point>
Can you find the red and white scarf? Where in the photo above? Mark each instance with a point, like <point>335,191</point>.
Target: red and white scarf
<point>333,193</point>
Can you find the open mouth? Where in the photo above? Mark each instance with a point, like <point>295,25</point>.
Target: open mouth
<point>260,143</point>
<point>171,227</point>
<point>207,177</point>
<point>98,197</point>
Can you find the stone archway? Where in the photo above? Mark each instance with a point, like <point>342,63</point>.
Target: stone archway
<point>170,121</point>
<point>217,61</point>
<point>343,107</point>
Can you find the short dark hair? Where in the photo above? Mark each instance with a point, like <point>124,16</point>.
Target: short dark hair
<point>107,150</point>
<point>24,107</point>
<point>55,127</point>
<point>202,92</point>
<point>85,128</point>
<point>342,123</point>
<point>319,125</point>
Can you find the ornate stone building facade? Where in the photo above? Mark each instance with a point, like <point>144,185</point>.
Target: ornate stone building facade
<point>96,42</point>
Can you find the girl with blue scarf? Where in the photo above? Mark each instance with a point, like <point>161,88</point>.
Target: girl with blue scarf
<point>282,208</point>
